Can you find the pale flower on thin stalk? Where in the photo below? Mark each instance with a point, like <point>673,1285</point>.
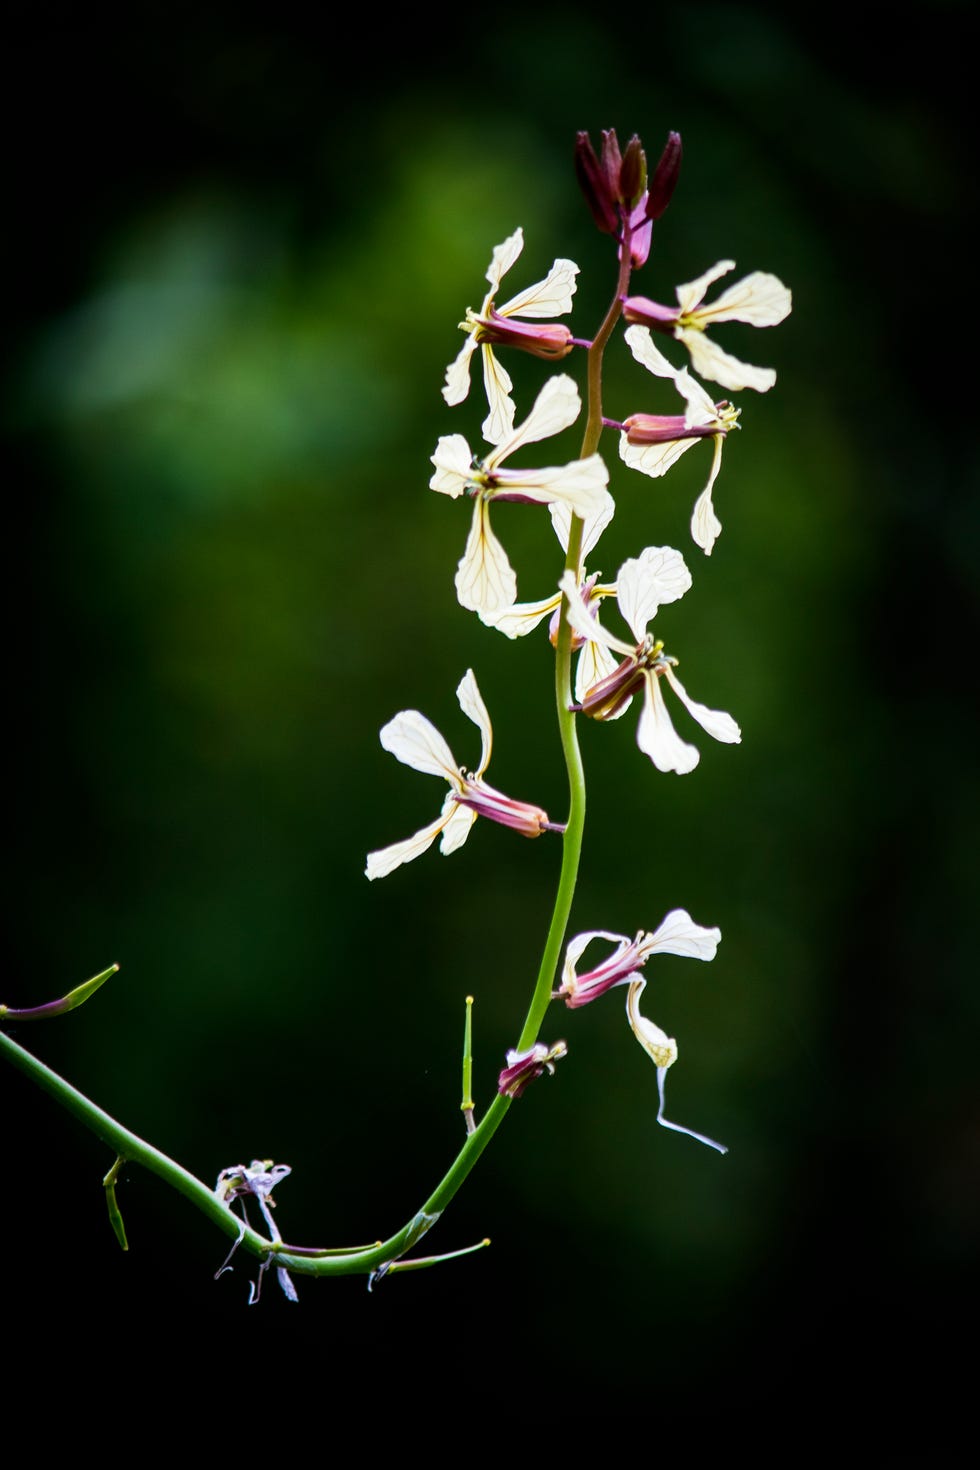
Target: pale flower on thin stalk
<point>760,299</point>
<point>644,664</point>
<point>416,742</point>
<point>485,579</point>
<point>500,324</point>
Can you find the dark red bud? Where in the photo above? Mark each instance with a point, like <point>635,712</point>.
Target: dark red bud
<point>633,173</point>
<point>592,182</point>
<point>665,176</point>
<point>612,161</point>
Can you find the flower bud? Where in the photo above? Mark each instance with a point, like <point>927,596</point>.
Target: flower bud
<point>665,175</point>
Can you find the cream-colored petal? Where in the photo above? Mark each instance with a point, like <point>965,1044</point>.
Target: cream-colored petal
<point>718,724</point>
<point>700,405</point>
<point>453,460</point>
<point>550,297</point>
<point>580,484</point>
<point>705,525</point>
<point>678,934</point>
<point>594,523</point>
<point>387,859</point>
<point>721,367</point>
<point>416,742</point>
<point>556,407</point>
<point>656,736</point>
<point>457,384</point>
<point>504,256</point>
<point>472,705</point>
<point>457,827</point>
<point>582,620</point>
<point>499,422</point>
<point>653,459</point>
<point>640,342</point>
<point>522,618</point>
<point>485,579</point>
<point>691,294</point>
<point>760,299</point>
<point>658,575</point>
<point>576,948</point>
<point>595,663</point>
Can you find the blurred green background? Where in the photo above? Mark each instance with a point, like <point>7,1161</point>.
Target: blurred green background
<point>237,252</point>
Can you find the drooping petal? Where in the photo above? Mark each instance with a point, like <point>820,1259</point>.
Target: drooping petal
<point>656,736</point>
<point>550,297</point>
<point>658,575</point>
<point>595,522</point>
<point>582,620</point>
<point>416,742</point>
<point>499,422</point>
<point>721,367</point>
<point>576,947</point>
<point>721,1148</point>
<point>456,827</point>
<point>678,934</point>
<point>653,459</point>
<point>472,705</point>
<point>453,460</point>
<point>692,293</point>
<point>522,617</point>
<point>759,298</point>
<point>556,407</point>
<point>640,342</point>
<point>705,525</point>
<point>485,579</point>
<point>457,384</point>
<point>718,724</point>
<point>387,859</point>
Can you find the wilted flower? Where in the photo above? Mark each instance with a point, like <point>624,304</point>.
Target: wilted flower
<point>485,580</point>
<point>678,934</point>
<point>653,443</point>
<point>498,324</point>
<point>258,1181</point>
<point>523,1066</point>
<point>640,582</point>
<point>759,299</point>
<point>416,742</point>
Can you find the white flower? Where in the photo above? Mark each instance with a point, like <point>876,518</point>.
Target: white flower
<point>678,934</point>
<point>416,742</point>
<point>485,580</point>
<point>550,297</point>
<point>760,299</point>
<point>653,443</point>
<point>642,582</point>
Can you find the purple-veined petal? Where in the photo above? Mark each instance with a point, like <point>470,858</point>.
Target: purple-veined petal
<point>658,575</point>
<point>759,298</point>
<point>453,460</point>
<point>653,459</point>
<point>485,579</point>
<point>576,947</point>
<point>415,741</point>
<point>550,297</point>
<point>580,484</point>
<point>692,293</point>
<point>472,705</point>
<point>718,724</point>
<point>656,736</point>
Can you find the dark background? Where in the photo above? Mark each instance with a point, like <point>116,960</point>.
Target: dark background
<point>236,252</point>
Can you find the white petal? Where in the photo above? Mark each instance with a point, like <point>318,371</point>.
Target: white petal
<point>504,256</point>
<point>690,295</point>
<point>576,948</point>
<point>721,1148</point>
<point>700,405</point>
<point>711,362</point>
<point>653,459</point>
<point>485,579</point>
<point>595,663</point>
<point>716,722</point>
<point>580,484</point>
<point>416,742</point>
<point>387,859</point>
<point>499,422</point>
<point>656,736</point>
<point>582,620</point>
<point>658,575</point>
<point>522,618</point>
<point>550,297</point>
<point>472,705</point>
<point>457,827</point>
<point>595,522</point>
<point>678,934</point>
<point>555,408</point>
<point>640,342</point>
<point>457,383</point>
<point>705,525</point>
<point>760,299</point>
<point>453,460</point>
